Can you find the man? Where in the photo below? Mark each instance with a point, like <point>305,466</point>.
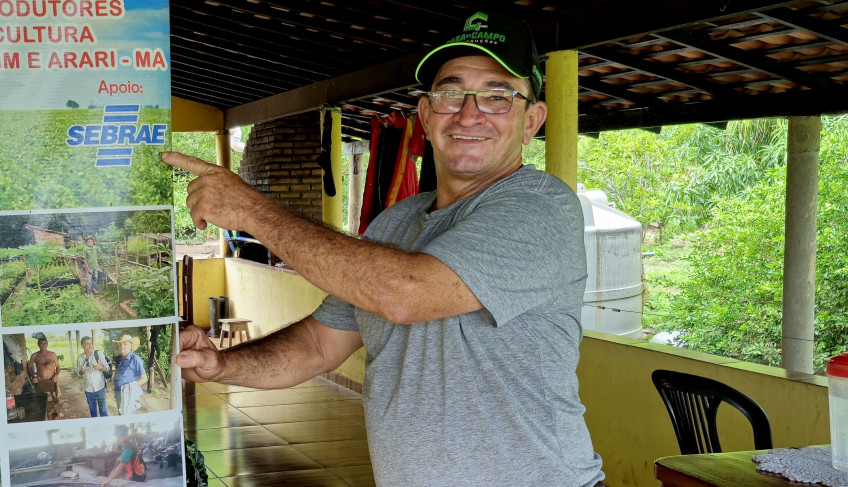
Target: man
<point>130,463</point>
<point>44,369</point>
<point>129,375</point>
<point>92,266</point>
<point>91,365</point>
<point>467,299</point>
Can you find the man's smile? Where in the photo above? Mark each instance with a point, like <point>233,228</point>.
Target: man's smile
<point>467,137</point>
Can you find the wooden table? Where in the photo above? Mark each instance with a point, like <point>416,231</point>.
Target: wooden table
<point>732,469</point>
<point>233,325</point>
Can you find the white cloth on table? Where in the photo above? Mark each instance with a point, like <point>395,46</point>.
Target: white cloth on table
<point>811,465</point>
<point>130,398</point>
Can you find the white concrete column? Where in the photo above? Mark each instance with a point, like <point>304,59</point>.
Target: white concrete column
<point>799,272</point>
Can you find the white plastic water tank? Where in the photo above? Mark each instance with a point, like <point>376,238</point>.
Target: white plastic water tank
<point>612,302</point>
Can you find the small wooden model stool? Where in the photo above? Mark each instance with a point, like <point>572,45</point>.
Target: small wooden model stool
<point>233,325</point>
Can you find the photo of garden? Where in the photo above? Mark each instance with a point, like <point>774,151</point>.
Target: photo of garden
<point>87,373</point>
<point>63,268</point>
<point>94,454</point>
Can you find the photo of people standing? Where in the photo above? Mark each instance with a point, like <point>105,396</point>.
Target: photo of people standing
<point>91,368</point>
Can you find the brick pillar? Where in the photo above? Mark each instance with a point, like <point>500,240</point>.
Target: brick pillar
<point>279,161</point>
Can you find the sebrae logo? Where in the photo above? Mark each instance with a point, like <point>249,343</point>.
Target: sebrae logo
<point>119,129</point>
<point>473,22</point>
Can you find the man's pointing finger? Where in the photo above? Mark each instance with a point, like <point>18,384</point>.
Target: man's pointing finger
<point>191,164</point>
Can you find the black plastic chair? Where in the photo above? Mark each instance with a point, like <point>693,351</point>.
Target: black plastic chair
<point>692,402</point>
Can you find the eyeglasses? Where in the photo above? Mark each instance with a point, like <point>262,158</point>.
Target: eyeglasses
<point>491,102</point>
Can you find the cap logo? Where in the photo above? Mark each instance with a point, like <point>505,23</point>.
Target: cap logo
<point>473,22</point>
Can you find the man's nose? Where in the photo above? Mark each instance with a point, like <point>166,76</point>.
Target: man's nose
<point>469,109</point>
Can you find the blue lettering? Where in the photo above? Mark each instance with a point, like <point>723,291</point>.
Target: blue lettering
<point>126,134</point>
<point>110,135</point>
<point>159,134</point>
<point>75,135</point>
<point>92,135</point>
<point>143,135</point>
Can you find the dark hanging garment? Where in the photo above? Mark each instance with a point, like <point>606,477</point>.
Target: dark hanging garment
<point>323,159</point>
<point>427,182</point>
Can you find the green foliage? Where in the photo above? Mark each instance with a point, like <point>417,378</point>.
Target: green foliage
<point>731,304</point>
<point>47,307</point>
<point>637,170</point>
<point>148,222</point>
<point>110,234</point>
<point>673,180</point>
<point>725,310</point>
<point>152,289</point>
<point>10,273</point>
<point>202,146</point>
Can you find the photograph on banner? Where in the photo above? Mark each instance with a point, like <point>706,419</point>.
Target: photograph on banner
<point>149,452</point>
<point>85,266</point>
<point>86,104</point>
<point>87,373</point>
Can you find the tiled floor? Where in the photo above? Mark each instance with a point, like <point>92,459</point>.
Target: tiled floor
<point>311,435</point>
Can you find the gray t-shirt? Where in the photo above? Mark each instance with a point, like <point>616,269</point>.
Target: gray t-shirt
<point>487,398</point>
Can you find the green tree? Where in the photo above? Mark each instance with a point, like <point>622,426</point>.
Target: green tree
<point>732,303</point>
<point>202,146</point>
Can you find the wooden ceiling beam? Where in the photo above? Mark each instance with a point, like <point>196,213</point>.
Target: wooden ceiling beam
<point>799,19</point>
<point>313,17</point>
<point>744,58</point>
<point>613,91</point>
<point>364,83</point>
<point>218,36</point>
<point>659,70</point>
<point>209,15</point>
<point>758,106</point>
<point>580,25</point>
<point>368,16</point>
<point>228,63</point>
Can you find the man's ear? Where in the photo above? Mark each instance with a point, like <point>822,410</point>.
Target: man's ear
<point>424,113</point>
<point>534,118</point>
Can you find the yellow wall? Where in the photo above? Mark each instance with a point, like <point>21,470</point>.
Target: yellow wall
<point>354,367</point>
<point>269,296</point>
<point>207,282</point>
<point>630,426</point>
<point>190,116</point>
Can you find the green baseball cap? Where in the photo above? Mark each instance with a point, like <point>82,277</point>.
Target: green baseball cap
<point>505,38</point>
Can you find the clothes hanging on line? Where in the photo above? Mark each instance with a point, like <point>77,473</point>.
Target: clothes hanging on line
<point>397,142</point>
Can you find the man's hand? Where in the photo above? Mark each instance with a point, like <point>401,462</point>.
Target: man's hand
<point>217,196</point>
<point>200,360</point>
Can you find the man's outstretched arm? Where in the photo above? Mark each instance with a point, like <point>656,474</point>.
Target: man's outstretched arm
<point>282,359</point>
<point>399,286</point>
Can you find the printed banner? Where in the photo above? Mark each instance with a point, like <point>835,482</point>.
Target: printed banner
<point>87,279</point>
